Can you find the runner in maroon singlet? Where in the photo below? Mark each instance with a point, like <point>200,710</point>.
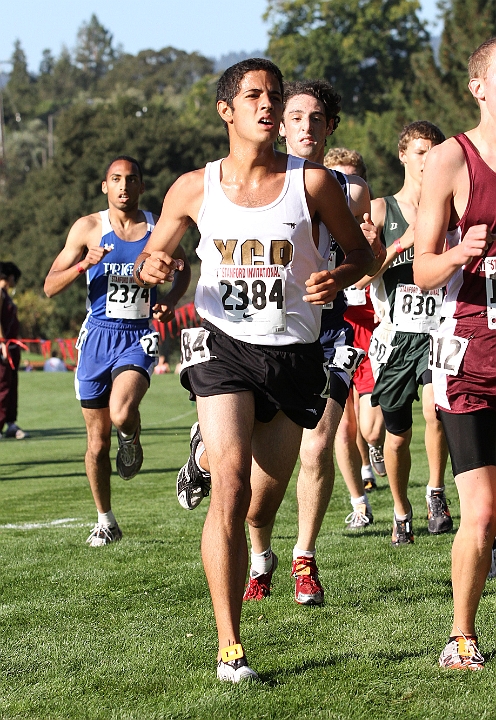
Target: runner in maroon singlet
<point>459,202</point>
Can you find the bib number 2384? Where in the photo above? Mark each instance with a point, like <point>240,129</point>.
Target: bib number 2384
<point>254,297</point>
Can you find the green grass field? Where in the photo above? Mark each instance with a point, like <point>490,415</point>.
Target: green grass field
<point>127,631</point>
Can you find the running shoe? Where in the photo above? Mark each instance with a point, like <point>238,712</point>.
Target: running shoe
<point>308,588</point>
<point>492,571</point>
<point>104,535</point>
<point>14,431</point>
<point>233,665</point>
<point>359,518</point>
<point>462,653</point>
<point>129,455</point>
<point>369,484</point>
<point>258,587</point>
<point>402,532</point>
<point>376,457</point>
<point>438,514</point>
<point>193,483</point>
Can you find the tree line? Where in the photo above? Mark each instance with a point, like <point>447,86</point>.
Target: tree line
<point>64,123</point>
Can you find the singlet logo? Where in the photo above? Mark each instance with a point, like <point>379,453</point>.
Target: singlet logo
<point>252,252</point>
<point>405,257</point>
<point>118,268</point>
<point>393,226</point>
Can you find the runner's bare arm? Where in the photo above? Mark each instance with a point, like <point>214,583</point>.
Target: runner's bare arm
<point>180,209</point>
<point>359,197</point>
<point>326,200</point>
<point>68,265</point>
<point>432,267</point>
<point>165,309</point>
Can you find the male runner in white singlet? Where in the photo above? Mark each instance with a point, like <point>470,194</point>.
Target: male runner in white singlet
<point>458,202</point>
<point>118,348</point>
<point>255,365</point>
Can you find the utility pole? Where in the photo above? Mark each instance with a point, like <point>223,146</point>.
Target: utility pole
<point>2,131</point>
<point>2,123</point>
<point>50,137</point>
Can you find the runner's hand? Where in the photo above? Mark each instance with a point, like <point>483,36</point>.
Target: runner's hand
<point>321,288</point>
<point>160,268</point>
<point>475,243</point>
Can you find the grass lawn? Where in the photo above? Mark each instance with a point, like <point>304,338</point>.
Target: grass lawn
<point>127,631</point>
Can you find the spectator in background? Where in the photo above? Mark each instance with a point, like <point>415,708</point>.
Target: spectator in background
<point>54,363</point>
<point>10,352</point>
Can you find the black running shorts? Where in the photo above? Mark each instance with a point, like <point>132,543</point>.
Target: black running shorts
<point>288,378</point>
<point>471,439</point>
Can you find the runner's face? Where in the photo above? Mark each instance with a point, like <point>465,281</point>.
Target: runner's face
<point>257,107</point>
<point>414,157</point>
<point>123,185</point>
<point>304,127</point>
<point>346,169</point>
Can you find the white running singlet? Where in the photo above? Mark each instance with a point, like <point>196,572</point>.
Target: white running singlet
<point>255,261</point>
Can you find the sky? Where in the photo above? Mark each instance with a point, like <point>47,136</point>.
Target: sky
<point>211,27</point>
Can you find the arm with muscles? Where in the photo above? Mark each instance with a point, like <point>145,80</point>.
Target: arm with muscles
<point>389,255</point>
<point>69,265</point>
<point>164,311</point>
<point>432,266</point>
<point>326,201</point>
<point>360,206</point>
<point>156,264</point>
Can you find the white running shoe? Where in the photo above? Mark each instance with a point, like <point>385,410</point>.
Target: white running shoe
<point>193,483</point>
<point>359,518</point>
<point>104,535</point>
<point>236,669</point>
<point>376,457</point>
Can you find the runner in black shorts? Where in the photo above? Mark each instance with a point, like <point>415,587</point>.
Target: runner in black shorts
<point>263,282</point>
<point>455,246</point>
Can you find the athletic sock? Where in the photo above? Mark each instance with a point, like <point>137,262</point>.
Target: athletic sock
<point>430,490</point>
<point>107,519</point>
<point>367,472</point>
<point>362,500</point>
<point>261,563</point>
<point>297,552</point>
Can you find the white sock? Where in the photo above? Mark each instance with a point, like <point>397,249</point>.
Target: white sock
<point>367,472</point>
<point>362,500</point>
<point>431,490</point>
<point>297,552</point>
<point>107,519</point>
<point>401,517</point>
<point>261,563</point>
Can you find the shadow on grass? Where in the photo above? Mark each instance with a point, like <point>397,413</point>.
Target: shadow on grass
<point>282,675</point>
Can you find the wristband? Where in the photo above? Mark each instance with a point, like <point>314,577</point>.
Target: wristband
<point>397,246</point>
<point>80,268</point>
<point>138,276</point>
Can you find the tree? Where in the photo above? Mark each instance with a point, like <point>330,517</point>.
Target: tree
<point>20,91</point>
<point>94,53</point>
<point>440,91</point>
<point>154,72</point>
<point>363,47</point>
